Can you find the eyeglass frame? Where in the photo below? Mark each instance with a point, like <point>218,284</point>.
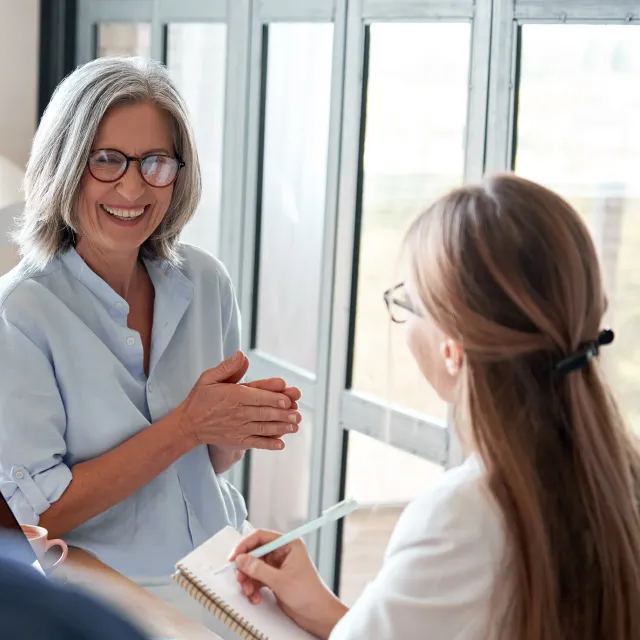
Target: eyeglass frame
<point>139,160</point>
<point>390,300</point>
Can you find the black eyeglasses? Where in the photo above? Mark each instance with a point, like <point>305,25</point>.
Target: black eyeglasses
<point>398,304</point>
<point>157,170</point>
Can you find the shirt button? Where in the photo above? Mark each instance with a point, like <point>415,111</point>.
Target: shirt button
<point>19,475</point>
<point>150,387</point>
<point>119,305</point>
<point>131,341</point>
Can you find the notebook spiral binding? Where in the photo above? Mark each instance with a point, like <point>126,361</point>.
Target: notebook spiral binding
<point>220,609</point>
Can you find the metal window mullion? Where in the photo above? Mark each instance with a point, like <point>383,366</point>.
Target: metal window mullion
<point>130,11</point>
<point>298,10</point>
<point>247,229</point>
<point>477,99</point>
<point>194,10</point>
<point>321,424</point>
<point>249,221</point>
<point>157,35</point>
<point>85,33</point>
<point>601,11</point>
<point>234,164</point>
<point>502,75</point>
<point>237,110</point>
<point>342,280</point>
<point>407,430</point>
<point>397,10</point>
<point>578,21</point>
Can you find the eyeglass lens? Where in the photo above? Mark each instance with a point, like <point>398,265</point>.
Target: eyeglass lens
<point>156,170</point>
<point>399,306</point>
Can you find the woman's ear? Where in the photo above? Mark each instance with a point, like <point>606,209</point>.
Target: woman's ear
<point>453,356</point>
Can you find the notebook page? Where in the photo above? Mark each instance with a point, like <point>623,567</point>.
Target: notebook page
<point>267,617</point>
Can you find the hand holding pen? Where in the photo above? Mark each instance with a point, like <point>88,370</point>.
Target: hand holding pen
<point>289,572</point>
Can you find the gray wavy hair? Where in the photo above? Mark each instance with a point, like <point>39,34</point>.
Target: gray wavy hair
<point>62,145</point>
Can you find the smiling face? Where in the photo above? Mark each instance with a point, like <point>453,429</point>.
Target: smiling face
<point>116,218</point>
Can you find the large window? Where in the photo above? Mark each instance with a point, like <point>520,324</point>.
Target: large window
<point>578,132</point>
<point>295,92</point>
<point>414,117</point>
<point>294,183</point>
<point>203,88</point>
<point>413,152</point>
<point>293,121</point>
<point>123,39</point>
<point>323,127</point>
<point>383,480</point>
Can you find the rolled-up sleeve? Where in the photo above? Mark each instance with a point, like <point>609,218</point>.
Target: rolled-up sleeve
<point>32,427</point>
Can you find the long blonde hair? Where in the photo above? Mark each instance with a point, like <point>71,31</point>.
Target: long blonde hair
<point>508,270</point>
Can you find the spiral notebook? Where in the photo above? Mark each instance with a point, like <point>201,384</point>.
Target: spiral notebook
<point>222,596</point>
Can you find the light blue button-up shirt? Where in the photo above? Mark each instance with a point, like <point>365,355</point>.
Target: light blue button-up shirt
<point>72,387</point>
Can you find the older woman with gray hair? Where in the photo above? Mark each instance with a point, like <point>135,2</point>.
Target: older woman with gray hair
<point>119,363</point>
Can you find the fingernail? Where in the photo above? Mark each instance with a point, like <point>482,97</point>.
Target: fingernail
<point>236,356</point>
<point>282,404</point>
<point>291,428</point>
<point>293,417</point>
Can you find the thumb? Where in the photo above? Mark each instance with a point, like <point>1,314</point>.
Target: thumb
<point>233,367</point>
<point>259,570</point>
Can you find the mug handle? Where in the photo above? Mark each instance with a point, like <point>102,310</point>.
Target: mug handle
<point>65,550</point>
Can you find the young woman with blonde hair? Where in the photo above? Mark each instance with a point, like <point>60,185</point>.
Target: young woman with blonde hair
<point>537,535</point>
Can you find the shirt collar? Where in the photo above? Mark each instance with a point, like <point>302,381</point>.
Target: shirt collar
<point>165,278</point>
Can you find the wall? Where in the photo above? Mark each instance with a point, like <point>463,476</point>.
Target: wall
<point>19,47</point>
<point>19,51</point>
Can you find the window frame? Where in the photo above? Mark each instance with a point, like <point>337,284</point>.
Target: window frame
<point>313,386</point>
<point>489,147</point>
<point>349,409</point>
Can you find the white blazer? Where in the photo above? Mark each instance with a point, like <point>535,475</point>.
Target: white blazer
<point>440,567</point>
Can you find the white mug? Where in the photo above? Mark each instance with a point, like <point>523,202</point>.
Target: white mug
<point>37,537</point>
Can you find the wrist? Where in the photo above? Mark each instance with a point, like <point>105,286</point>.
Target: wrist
<point>330,610</point>
<point>176,427</point>
<point>223,458</point>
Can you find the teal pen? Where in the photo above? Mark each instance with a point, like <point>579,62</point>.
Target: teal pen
<point>336,512</point>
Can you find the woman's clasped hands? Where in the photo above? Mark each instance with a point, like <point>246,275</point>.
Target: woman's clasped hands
<point>256,415</point>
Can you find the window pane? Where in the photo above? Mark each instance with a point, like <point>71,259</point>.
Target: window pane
<point>296,135</point>
<point>384,480</point>
<point>579,134</point>
<point>203,88</point>
<point>124,39</point>
<point>413,153</point>
<point>280,481</point>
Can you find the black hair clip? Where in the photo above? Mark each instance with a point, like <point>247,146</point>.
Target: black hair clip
<point>587,351</point>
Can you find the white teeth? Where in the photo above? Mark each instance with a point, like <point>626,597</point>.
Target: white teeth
<point>124,214</point>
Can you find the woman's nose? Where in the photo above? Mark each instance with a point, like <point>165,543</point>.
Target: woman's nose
<point>131,186</point>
